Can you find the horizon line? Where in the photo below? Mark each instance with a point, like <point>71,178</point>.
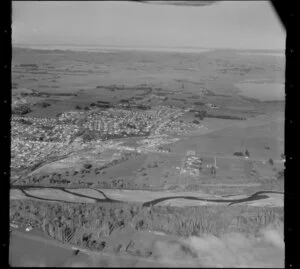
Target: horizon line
<point>144,46</point>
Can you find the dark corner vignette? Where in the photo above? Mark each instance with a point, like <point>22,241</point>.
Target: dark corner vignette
<point>6,22</point>
<point>289,17</point>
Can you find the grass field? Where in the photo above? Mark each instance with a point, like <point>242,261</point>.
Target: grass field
<point>57,195</point>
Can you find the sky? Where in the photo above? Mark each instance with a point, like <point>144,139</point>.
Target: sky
<point>225,24</point>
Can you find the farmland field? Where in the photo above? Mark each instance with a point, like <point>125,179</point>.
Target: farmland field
<point>148,171</point>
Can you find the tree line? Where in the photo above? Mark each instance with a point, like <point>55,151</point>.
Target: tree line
<point>85,224</point>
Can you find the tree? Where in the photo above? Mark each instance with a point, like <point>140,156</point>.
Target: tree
<point>50,229</point>
<point>201,114</point>
<point>280,174</point>
<point>271,161</point>
<point>213,170</point>
<point>238,154</point>
<point>87,166</point>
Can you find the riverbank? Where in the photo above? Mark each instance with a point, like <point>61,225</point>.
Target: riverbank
<point>146,198</point>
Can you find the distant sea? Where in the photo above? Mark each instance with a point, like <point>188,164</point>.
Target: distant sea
<point>108,49</point>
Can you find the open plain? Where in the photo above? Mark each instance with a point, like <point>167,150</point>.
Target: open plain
<point>116,150</point>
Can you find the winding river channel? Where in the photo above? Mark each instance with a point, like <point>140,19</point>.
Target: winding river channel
<point>25,191</point>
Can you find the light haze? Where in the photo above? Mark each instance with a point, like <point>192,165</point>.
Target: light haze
<point>226,24</point>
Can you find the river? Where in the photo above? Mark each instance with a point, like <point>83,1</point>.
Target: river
<point>254,197</point>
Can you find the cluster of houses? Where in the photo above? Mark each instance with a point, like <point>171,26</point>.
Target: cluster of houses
<point>26,153</point>
<point>212,106</point>
<point>151,144</point>
<point>179,127</point>
<point>118,122</point>
<point>154,144</point>
<point>121,122</point>
<point>36,139</point>
<point>42,129</point>
<point>191,164</point>
<point>72,116</point>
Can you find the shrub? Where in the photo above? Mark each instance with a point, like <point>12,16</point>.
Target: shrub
<point>44,104</point>
<point>201,114</point>
<point>280,175</point>
<point>21,109</point>
<point>226,117</point>
<point>199,103</point>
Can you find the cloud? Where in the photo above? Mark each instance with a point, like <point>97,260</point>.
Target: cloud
<point>230,250</point>
<point>182,3</point>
